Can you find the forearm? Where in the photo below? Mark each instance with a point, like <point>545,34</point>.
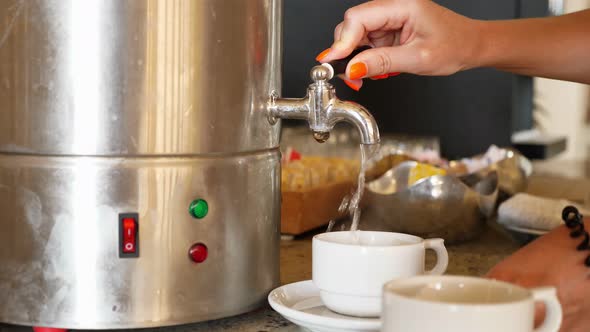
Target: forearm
<point>555,47</point>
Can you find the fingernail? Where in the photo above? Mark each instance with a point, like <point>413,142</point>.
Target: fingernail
<point>393,74</point>
<point>352,85</point>
<point>357,71</point>
<point>380,77</point>
<point>322,55</point>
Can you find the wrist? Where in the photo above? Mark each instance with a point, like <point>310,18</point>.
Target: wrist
<point>480,44</point>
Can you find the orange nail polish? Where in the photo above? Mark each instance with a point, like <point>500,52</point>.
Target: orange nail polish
<point>380,77</point>
<point>357,71</point>
<point>352,85</point>
<point>393,74</point>
<point>323,54</point>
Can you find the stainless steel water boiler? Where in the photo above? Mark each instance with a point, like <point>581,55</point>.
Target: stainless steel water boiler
<point>139,161</point>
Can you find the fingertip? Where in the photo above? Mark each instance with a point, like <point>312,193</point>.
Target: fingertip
<point>339,45</point>
<point>340,50</point>
<point>357,70</point>
<point>381,61</point>
<point>323,54</point>
<point>327,55</point>
<point>354,84</point>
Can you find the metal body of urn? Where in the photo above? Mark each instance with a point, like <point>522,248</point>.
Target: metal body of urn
<point>139,161</point>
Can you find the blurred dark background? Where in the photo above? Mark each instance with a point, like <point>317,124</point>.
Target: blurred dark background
<point>467,111</point>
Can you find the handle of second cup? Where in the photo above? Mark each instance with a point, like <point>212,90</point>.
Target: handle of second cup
<point>553,316</point>
<point>442,256</point>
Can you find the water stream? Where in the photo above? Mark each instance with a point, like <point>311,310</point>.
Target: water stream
<point>352,202</point>
<point>368,152</point>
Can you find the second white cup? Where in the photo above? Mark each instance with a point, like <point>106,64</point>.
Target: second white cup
<point>465,304</point>
<point>350,268</point>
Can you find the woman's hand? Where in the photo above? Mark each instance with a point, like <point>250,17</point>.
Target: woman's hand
<point>421,37</point>
<point>552,260</point>
<point>412,36</point>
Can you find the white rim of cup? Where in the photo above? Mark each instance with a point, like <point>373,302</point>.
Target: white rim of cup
<point>419,240</point>
<point>389,292</point>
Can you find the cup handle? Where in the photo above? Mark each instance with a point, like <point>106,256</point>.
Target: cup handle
<point>442,256</point>
<point>553,317</point>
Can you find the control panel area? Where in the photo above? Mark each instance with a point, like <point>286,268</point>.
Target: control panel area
<point>198,209</point>
<point>128,235</point>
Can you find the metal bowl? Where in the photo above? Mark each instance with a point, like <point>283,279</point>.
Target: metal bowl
<point>513,172</point>
<point>453,208</point>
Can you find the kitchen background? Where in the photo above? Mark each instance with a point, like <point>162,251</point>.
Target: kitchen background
<point>468,111</point>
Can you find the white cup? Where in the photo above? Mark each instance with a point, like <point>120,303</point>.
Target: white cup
<point>465,304</point>
<point>350,268</point>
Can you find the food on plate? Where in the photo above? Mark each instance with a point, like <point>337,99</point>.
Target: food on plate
<point>310,172</point>
<point>422,171</point>
<point>302,173</point>
<point>493,155</point>
<point>457,168</point>
<point>382,165</point>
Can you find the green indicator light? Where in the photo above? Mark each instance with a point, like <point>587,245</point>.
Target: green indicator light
<point>198,208</point>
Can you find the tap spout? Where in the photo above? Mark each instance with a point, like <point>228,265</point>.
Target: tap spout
<point>359,117</point>
<point>322,109</point>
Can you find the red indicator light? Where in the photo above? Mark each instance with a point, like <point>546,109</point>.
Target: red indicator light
<point>198,253</point>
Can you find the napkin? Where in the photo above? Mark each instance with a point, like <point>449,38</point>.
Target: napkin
<point>533,212</point>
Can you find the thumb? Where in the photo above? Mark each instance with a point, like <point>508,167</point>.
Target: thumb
<point>381,61</point>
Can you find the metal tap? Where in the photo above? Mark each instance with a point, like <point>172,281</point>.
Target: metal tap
<point>322,109</point>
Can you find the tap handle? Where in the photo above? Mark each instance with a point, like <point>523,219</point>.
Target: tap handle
<point>322,73</point>
<point>327,71</point>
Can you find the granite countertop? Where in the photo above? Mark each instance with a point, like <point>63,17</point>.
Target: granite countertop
<point>472,258</point>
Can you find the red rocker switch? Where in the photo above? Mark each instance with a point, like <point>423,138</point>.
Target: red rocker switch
<point>129,231</point>
<point>128,235</point>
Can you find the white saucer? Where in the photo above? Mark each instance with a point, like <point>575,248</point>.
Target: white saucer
<point>525,230</point>
<point>300,303</point>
